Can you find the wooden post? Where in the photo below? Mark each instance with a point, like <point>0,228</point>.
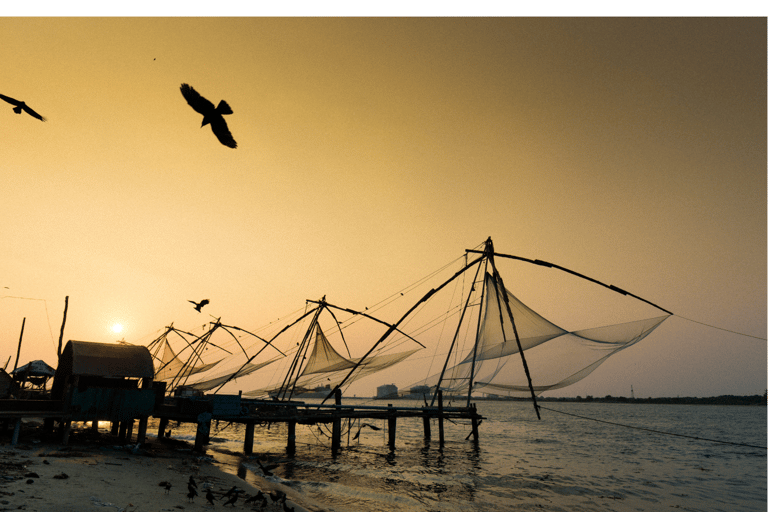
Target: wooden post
<point>63,322</point>
<point>161,427</point>
<point>336,433</point>
<point>123,428</point>
<point>115,428</point>
<point>202,436</point>
<point>392,424</point>
<point>67,428</point>
<point>291,437</point>
<point>475,432</point>
<point>18,350</point>
<point>427,427</point>
<point>141,436</point>
<point>248,446</point>
<point>440,430</point>
<point>129,431</point>
<point>16,432</point>
<point>95,426</point>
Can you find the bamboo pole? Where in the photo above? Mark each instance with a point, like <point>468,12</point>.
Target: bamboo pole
<point>18,350</point>
<point>63,323</point>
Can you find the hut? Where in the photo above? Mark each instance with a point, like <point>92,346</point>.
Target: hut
<point>32,378</point>
<point>6,384</point>
<point>105,382</point>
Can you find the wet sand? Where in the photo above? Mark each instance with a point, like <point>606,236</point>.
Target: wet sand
<point>93,473</point>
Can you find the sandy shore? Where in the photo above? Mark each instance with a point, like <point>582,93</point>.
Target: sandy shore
<point>93,474</point>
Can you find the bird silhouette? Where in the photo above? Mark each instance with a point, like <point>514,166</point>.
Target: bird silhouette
<point>167,487</point>
<point>192,482</point>
<point>233,499</point>
<point>20,105</point>
<point>192,493</point>
<point>209,496</point>
<point>211,115</point>
<point>198,307</point>
<point>268,469</point>
<point>259,496</point>
<point>233,490</point>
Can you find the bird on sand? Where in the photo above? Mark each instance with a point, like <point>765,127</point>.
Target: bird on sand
<point>167,487</point>
<point>259,496</point>
<point>198,307</point>
<point>267,470</point>
<point>209,496</point>
<point>192,493</point>
<point>233,499</point>
<point>233,490</point>
<point>211,115</point>
<point>20,105</point>
<point>192,482</point>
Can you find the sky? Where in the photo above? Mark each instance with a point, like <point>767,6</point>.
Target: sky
<point>372,151</point>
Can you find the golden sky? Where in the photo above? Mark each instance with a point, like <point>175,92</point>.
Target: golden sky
<point>372,151</point>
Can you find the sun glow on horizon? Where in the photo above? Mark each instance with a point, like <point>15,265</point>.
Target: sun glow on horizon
<point>117,328</point>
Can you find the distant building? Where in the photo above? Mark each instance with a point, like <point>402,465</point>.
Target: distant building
<point>386,391</point>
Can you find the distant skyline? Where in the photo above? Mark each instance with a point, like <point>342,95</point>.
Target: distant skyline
<point>372,151</point>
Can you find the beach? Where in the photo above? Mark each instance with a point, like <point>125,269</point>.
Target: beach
<point>93,472</point>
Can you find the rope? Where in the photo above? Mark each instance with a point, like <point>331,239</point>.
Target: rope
<point>721,329</point>
<point>654,431</point>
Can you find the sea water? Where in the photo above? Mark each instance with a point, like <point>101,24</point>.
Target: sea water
<point>577,457</point>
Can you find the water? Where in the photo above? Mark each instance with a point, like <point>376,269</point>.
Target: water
<point>560,463</point>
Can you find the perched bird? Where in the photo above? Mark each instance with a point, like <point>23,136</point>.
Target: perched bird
<point>199,306</point>
<point>259,496</point>
<point>167,487</point>
<point>233,499</point>
<point>211,115</point>
<point>209,496</point>
<point>192,493</point>
<point>20,105</point>
<point>277,496</point>
<point>266,470</point>
<point>233,490</point>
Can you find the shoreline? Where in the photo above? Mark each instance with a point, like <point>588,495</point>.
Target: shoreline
<point>94,472</point>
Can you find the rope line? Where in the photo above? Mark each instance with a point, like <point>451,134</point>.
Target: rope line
<point>654,431</point>
<point>721,329</point>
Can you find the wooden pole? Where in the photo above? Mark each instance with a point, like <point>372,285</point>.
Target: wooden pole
<point>161,427</point>
<point>63,322</point>
<point>427,427</point>
<point>291,448</point>
<point>440,430</point>
<point>248,446</point>
<point>392,424</point>
<point>336,433</point>
<point>18,350</point>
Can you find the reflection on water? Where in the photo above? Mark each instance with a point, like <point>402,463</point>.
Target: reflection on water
<point>557,463</point>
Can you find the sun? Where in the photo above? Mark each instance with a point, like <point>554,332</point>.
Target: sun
<point>117,328</point>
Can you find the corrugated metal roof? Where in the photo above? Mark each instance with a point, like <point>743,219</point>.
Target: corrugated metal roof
<point>106,360</point>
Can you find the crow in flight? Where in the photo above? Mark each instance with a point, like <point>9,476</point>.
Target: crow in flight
<point>20,105</point>
<point>198,307</point>
<point>211,115</point>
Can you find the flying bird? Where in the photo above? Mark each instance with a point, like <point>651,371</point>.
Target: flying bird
<point>198,307</point>
<point>211,115</point>
<point>20,105</point>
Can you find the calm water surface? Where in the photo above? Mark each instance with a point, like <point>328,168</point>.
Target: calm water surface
<point>558,463</point>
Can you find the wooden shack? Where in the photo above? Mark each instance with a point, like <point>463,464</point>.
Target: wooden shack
<point>106,382</point>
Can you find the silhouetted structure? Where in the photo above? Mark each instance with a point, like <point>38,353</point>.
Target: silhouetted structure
<point>211,115</point>
<point>20,105</point>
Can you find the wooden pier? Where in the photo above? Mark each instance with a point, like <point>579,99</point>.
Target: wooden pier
<point>250,412</point>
